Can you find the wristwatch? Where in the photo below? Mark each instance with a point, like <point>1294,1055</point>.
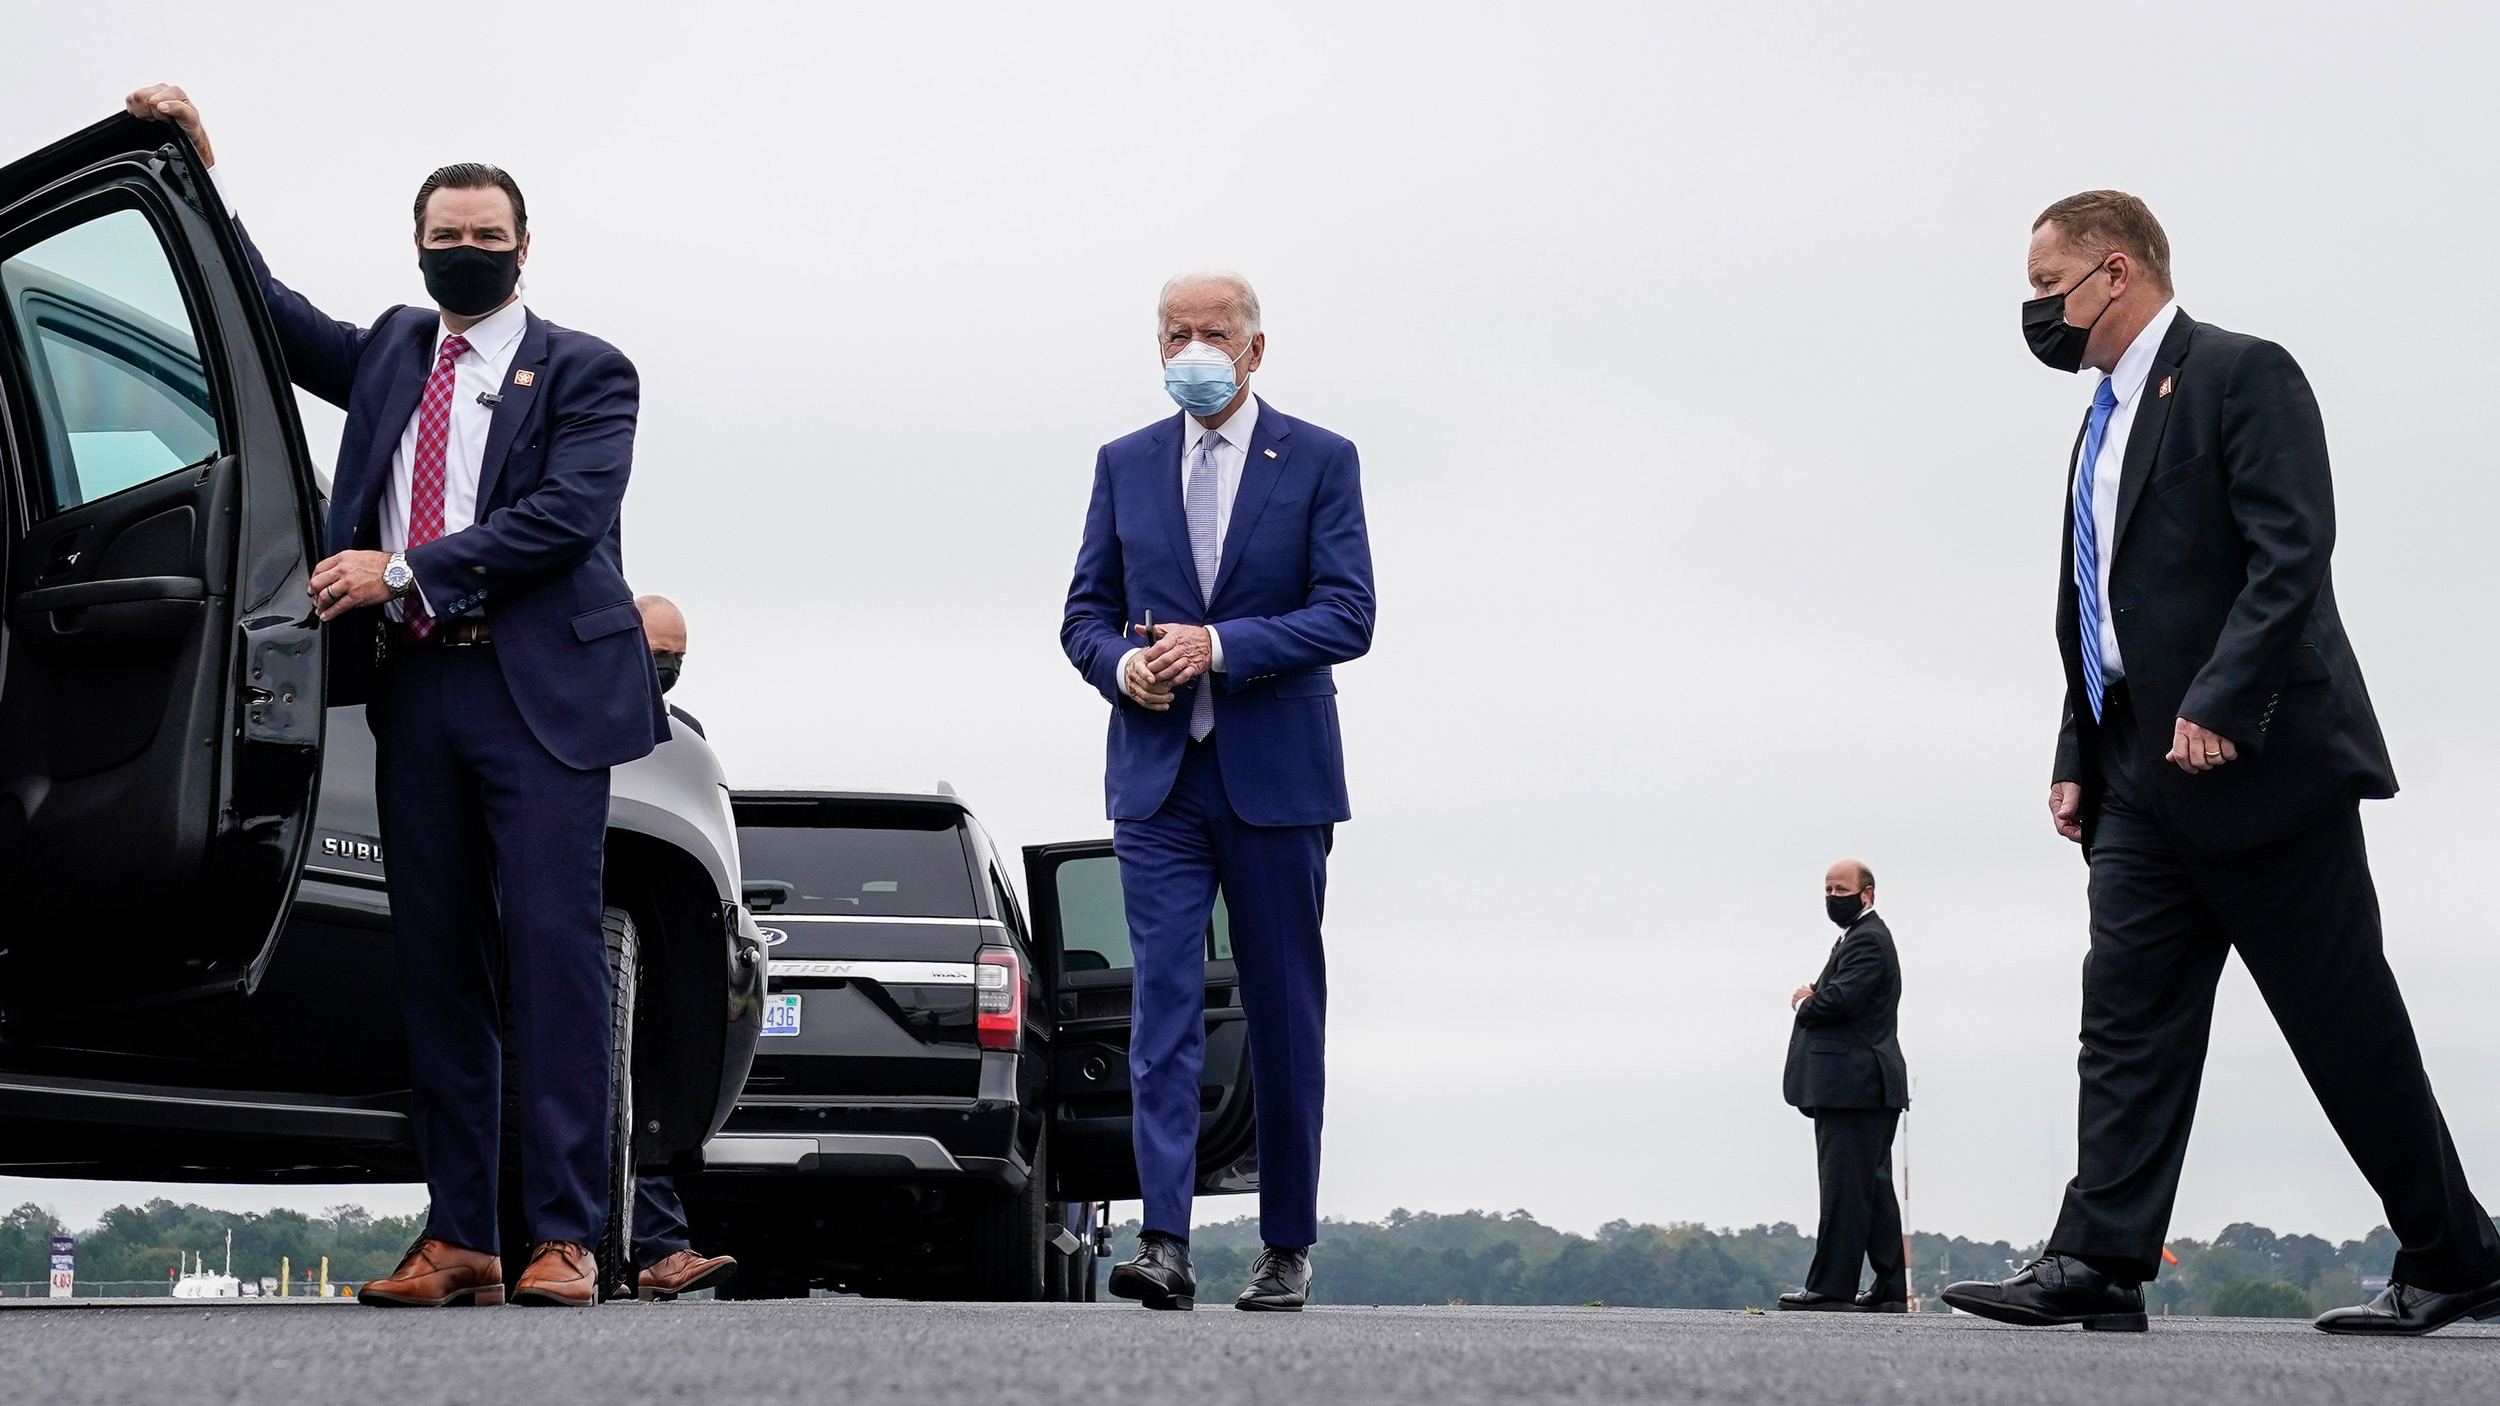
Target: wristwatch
<point>397,576</point>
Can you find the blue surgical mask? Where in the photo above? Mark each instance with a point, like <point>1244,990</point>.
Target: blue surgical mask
<point>1200,379</point>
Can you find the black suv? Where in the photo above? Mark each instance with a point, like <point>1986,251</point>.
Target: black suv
<point>939,1103</point>
<point>196,974</point>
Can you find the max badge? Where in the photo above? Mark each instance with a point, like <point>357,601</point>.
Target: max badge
<point>525,378</point>
<point>2164,391</point>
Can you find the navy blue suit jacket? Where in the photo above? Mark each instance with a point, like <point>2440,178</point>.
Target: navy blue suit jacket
<point>544,561</point>
<point>1293,596</point>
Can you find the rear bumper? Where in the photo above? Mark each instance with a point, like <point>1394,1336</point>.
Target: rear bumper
<point>832,1154</point>
<point>794,1135</point>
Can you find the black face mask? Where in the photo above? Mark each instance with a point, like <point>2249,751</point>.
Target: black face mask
<point>669,666</point>
<point>1844,908</point>
<point>2058,343</point>
<point>467,281</point>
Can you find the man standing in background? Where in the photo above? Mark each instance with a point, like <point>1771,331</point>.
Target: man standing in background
<point>2217,744</point>
<point>1845,1071</point>
<point>1239,531</point>
<point>665,1262</point>
<point>476,568</point>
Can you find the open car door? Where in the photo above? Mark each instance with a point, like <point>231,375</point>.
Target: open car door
<point>160,665</point>
<point>1080,932</point>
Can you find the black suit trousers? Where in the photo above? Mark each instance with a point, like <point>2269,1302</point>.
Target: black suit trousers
<point>1861,1221</point>
<point>2303,914</point>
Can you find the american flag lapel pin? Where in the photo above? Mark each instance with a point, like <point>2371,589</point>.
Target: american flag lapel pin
<point>1271,454</point>
<point>2165,384</point>
<point>527,377</point>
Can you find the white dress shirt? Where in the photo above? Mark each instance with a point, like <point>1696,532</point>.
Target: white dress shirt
<point>1232,451</point>
<point>493,341</point>
<point>2126,383</point>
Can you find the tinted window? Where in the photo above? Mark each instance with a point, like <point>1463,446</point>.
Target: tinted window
<point>900,864</point>
<point>119,386</point>
<point>1093,923</point>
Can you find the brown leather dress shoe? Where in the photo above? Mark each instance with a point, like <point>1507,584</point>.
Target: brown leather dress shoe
<point>683,1273</point>
<point>560,1275</point>
<point>436,1273</point>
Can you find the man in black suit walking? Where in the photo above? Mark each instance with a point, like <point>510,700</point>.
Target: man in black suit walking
<point>2216,746</point>
<point>1845,1071</point>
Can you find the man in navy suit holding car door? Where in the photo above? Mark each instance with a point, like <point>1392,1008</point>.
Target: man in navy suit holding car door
<point>1238,532</point>
<point>475,569</point>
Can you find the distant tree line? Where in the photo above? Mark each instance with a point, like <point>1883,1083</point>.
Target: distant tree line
<point>1477,1257</point>
<point>1409,1258</point>
<point>145,1243</point>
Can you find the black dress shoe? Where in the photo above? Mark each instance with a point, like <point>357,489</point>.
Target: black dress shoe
<point>2403,1311</point>
<point>1279,1283</point>
<point>1808,1301</point>
<point>1160,1276</point>
<point>1868,1303</point>
<point>2054,1290</point>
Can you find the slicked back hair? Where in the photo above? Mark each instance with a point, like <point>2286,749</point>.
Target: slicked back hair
<point>2099,221</point>
<point>475,175</point>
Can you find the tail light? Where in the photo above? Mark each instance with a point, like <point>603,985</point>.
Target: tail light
<point>998,986</point>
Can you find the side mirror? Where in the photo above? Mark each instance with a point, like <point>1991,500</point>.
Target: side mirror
<point>765,895</point>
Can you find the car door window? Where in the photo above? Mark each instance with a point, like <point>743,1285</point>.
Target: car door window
<point>114,356</point>
<point>1093,920</point>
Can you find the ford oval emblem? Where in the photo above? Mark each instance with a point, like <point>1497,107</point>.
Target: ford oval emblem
<point>773,937</point>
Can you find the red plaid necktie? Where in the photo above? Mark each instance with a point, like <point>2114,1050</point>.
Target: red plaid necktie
<point>425,480</point>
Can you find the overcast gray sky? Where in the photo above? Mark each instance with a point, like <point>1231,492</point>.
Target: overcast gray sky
<point>1714,499</point>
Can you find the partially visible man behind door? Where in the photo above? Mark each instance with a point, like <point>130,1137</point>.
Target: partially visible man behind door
<point>476,562</point>
<point>665,1261</point>
<point>1845,1071</point>
<point>2216,746</point>
<point>1239,531</point>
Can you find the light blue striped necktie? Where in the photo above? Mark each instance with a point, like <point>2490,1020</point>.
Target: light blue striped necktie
<point>1200,502</point>
<point>2087,546</point>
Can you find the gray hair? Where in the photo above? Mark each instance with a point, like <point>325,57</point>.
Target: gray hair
<point>1245,297</point>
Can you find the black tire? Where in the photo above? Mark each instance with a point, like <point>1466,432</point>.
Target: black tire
<point>1007,1246</point>
<point>616,1243</point>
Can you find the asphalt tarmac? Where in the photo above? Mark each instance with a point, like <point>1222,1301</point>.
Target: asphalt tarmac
<point>849,1350</point>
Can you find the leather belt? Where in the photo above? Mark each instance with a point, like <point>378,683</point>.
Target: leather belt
<point>458,632</point>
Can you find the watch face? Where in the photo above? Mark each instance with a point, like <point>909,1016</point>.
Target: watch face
<point>396,575</point>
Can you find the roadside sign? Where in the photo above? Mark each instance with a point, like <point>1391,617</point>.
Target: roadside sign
<point>64,1266</point>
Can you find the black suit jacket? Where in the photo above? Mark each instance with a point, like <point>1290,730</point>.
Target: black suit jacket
<point>2223,601</point>
<point>1845,1051</point>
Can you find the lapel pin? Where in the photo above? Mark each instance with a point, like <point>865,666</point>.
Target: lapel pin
<point>1271,454</point>
<point>2165,384</point>
<point>528,378</point>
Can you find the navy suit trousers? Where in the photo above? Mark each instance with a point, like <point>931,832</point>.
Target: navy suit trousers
<point>495,855</point>
<point>1275,881</point>
<point>659,1221</point>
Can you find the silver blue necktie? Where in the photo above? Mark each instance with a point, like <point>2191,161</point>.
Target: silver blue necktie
<point>2087,548</point>
<point>1200,502</point>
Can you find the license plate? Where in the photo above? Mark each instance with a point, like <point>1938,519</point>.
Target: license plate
<point>781,1015</point>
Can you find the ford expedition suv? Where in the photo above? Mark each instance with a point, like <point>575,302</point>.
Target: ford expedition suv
<point>939,1101</point>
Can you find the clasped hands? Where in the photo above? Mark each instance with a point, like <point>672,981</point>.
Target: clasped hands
<point>2194,749</point>
<point>1801,996</point>
<point>1171,657</point>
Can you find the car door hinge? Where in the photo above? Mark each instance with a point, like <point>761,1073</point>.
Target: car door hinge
<point>173,169</point>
